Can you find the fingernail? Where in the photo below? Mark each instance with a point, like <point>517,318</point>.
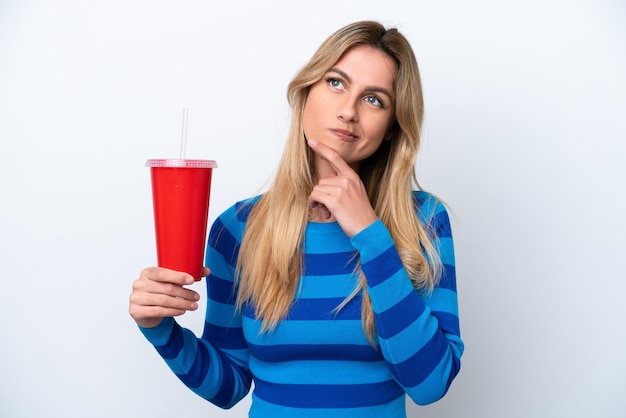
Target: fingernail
<point>312,142</point>
<point>188,280</point>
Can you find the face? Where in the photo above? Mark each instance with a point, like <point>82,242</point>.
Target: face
<point>351,108</point>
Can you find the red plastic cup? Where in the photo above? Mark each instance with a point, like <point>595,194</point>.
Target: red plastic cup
<point>181,190</point>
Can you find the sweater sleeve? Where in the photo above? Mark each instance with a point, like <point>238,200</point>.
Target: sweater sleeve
<point>214,366</point>
<point>418,332</point>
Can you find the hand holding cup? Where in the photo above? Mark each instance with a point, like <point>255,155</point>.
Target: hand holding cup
<point>160,293</point>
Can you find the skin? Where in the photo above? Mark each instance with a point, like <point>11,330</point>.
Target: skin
<point>159,293</point>
<point>348,114</point>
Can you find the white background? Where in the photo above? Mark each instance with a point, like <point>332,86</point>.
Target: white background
<point>524,138</point>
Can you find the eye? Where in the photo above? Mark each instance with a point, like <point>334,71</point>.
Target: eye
<point>335,83</point>
<point>375,101</point>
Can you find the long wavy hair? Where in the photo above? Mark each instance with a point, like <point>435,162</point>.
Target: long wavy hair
<point>270,257</point>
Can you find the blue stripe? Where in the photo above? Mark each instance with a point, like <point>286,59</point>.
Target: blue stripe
<point>198,370</point>
<point>448,322</point>
<point>417,368</point>
<point>220,290</point>
<point>395,319</point>
<point>222,314</point>
<point>223,241</point>
<point>335,352</point>
<point>313,309</point>
<point>395,408</point>
<point>448,277</point>
<point>225,390</point>
<point>445,247</point>
<point>324,238</point>
<point>336,286</point>
<point>328,396</point>
<point>226,338</point>
<point>330,264</point>
<point>173,346</point>
<point>325,309</point>
<point>224,395</point>
<point>443,300</point>
<point>419,197</point>
<point>383,266</point>
<point>306,332</point>
<point>316,372</point>
<point>244,208</point>
<point>248,311</point>
<point>426,206</point>
<point>456,368</point>
<point>441,222</point>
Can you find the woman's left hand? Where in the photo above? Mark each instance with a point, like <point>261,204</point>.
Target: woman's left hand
<point>343,194</point>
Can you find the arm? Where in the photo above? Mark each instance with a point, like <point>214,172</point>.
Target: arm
<point>215,365</point>
<point>418,333</point>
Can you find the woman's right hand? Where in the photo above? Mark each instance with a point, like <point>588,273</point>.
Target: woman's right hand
<point>159,293</point>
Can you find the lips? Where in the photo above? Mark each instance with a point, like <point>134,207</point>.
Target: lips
<point>344,135</point>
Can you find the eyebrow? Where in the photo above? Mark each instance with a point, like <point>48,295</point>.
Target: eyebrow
<point>372,88</point>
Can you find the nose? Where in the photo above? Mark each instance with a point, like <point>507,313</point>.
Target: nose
<point>347,112</point>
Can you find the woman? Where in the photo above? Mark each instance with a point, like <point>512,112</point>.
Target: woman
<point>335,290</point>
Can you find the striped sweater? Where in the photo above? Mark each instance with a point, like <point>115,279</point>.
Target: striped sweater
<point>318,362</point>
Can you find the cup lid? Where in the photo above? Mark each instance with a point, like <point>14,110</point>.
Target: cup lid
<point>172,162</point>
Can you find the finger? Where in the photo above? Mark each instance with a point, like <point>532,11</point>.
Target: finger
<point>337,163</point>
<point>146,286</point>
<point>148,300</point>
<point>150,316</point>
<point>160,312</point>
<point>164,275</point>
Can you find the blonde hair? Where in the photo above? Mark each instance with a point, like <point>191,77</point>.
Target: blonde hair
<point>270,257</point>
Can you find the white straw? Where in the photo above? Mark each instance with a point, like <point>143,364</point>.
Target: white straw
<point>183,139</point>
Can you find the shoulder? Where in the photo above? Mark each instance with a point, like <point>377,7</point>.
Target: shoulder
<point>431,211</point>
<point>234,218</point>
<point>427,204</point>
<point>239,211</point>
<point>243,208</point>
